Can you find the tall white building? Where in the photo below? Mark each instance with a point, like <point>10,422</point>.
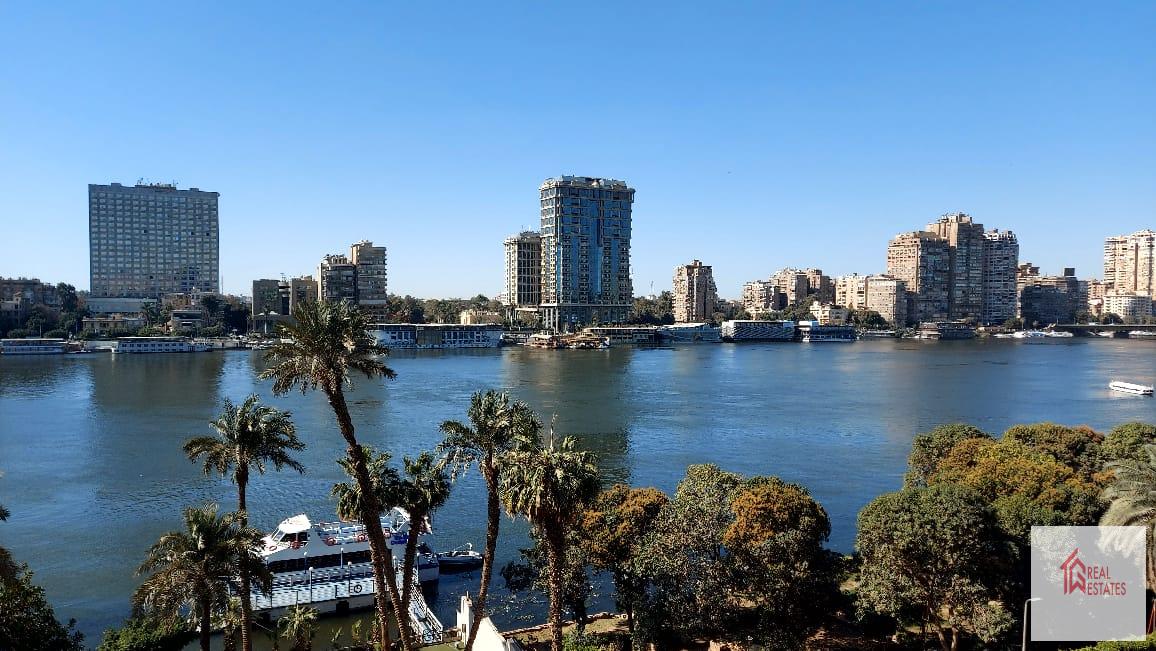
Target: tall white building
<point>1130,263</point>
<point>152,239</point>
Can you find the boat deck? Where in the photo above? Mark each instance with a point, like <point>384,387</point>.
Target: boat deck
<point>331,585</point>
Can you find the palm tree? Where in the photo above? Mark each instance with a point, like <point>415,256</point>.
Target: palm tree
<point>496,427</point>
<point>298,625</point>
<point>423,489</point>
<point>549,485</point>
<point>384,480</point>
<point>1132,502</point>
<point>190,568</point>
<point>318,351</point>
<point>249,435</point>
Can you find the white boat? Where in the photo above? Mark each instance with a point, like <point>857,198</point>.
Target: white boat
<point>327,565</point>
<point>427,336</point>
<point>1059,334</point>
<point>159,345</point>
<point>32,346</point>
<point>1029,334</point>
<point>1128,387</point>
<point>1142,333</point>
<point>1003,335</point>
<point>299,544</point>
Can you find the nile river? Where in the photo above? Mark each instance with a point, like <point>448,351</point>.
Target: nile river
<point>90,445</point>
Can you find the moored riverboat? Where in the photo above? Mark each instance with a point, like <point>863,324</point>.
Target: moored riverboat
<point>32,346</point>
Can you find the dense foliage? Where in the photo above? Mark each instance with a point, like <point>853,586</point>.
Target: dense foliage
<point>933,556</point>
<point>147,634</point>
<point>27,621</point>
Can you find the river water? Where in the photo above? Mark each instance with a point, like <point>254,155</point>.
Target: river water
<point>90,445</point>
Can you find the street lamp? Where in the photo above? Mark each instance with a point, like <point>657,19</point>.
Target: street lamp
<point>1026,603</point>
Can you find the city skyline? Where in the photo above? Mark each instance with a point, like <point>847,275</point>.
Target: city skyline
<point>811,137</point>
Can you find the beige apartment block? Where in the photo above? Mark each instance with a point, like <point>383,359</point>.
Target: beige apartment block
<point>966,244</point>
<point>695,294</point>
<point>851,291</point>
<point>888,297</point>
<point>371,278</point>
<point>1130,307</point>
<point>302,289</point>
<point>1130,263</point>
<point>830,314</point>
<point>760,297</point>
<point>793,283</point>
<point>922,260</point>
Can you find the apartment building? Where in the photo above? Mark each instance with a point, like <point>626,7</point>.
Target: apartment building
<point>695,294</point>
<point>585,231</point>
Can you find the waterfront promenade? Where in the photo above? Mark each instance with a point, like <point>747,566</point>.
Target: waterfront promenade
<point>90,444</point>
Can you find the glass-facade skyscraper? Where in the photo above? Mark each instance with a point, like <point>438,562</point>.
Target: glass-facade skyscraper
<point>149,240</point>
<point>585,251</point>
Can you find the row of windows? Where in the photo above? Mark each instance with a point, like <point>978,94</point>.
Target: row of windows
<point>331,560</point>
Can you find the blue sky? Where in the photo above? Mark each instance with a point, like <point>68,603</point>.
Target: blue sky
<point>758,135</point>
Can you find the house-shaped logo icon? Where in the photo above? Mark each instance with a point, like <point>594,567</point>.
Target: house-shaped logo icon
<point>1074,569</point>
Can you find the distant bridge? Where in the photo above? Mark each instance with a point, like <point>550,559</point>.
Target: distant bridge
<point>1117,329</point>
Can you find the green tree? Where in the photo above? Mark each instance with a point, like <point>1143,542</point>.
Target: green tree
<point>147,634</point>
<point>683,558</point>
<point>548,485</point>
<point>928,449</point>
<point>496,426</point>
<point>776,545</point>
<point>869,319</point>
<point>69,301</point>
<point>325,343</point>
<point>248,436</point>
<point>1076,447</point>
<point>27,621</point>
<point>931,556</point>
<point>1127,441</point>
<point>188,569</point>
<point>612,531</point>
<point>298,625</point>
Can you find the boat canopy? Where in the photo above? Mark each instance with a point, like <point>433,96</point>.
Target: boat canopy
<point>295,524</point>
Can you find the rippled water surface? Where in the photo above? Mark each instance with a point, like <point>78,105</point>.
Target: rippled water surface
<point>94,473</point>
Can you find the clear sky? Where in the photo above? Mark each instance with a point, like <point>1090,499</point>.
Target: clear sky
<point>758,135</point>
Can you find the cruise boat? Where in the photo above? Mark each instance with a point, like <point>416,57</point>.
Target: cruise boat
<point>737,330</point>
<point>430,336</point>
<point>1142,333</point>
<point>1059,334</point>
<point>159,345</point>
<point>327,566</point>
<point>32,346</point>
<point>877,334</point>
<point>815,332</point>
<point>690,333</point>
<point>299,545</point>
<point>1128,387</point>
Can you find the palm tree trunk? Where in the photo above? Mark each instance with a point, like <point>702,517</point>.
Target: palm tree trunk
<point>408,558</point>
<point>555,554</point>
<point>493,519</point>
<point>246,581</point>
<point>380,554</point>
<point>206,623</point>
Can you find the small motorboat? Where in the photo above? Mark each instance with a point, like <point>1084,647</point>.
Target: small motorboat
<point>462,559</point>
